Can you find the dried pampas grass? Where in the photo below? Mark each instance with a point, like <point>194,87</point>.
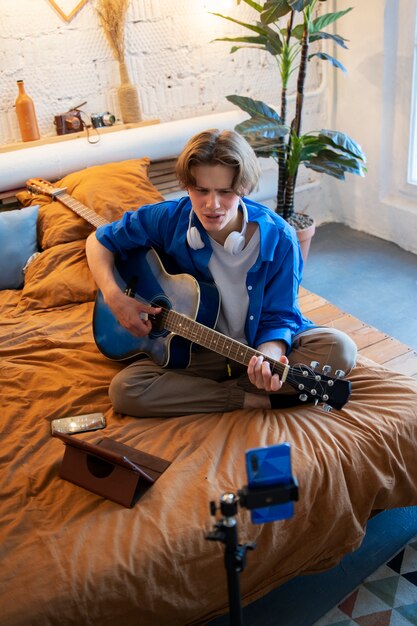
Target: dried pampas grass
<point>112,14</point>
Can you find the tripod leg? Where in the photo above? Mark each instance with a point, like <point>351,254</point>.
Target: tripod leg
<point>235,608</point>
<point>233,563</point>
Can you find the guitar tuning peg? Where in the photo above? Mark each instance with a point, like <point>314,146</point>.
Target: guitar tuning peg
<point>340,374</point>
<point>327,408</point>
<point>303,397</point>
<point>327,369</point>
<point>314,364</point>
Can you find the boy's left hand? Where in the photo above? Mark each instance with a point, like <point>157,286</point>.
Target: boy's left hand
<point>259,371</point>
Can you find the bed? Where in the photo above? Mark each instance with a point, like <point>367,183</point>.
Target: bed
<point>70,556</point>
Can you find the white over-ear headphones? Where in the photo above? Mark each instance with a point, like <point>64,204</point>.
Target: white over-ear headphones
<point>234,243</point>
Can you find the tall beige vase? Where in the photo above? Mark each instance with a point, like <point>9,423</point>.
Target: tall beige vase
<point>128,97</point>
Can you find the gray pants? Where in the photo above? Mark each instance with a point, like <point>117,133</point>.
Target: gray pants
<point>144,389</point>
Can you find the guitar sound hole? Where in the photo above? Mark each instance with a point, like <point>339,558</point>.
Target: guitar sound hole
<point>158,321</point>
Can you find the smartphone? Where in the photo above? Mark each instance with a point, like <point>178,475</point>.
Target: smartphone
<point>268,467</point>
<point>78,423</point>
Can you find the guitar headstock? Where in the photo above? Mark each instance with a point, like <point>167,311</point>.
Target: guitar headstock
<point>319,386</point>
<point>39,185</point>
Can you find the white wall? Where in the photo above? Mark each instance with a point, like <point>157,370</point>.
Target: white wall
<point>179,72</point>
<point>177,69</point>
<point>372,104</point>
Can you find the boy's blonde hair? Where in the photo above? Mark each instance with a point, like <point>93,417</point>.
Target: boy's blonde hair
<point>216,147</point>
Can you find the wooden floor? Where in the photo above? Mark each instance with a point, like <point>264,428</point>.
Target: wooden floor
<point>371,342</point>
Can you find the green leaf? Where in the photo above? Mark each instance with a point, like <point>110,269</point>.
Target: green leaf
<point>340,41</point>
<point>259,40</point>
<point>274,43</point>
<point>255,108</point>
<point>297,32</point>
<point>328,169</point>
<point>234,49</point>
<point>300,5</point>
<point>324,20</point>
<point>269,150</point>
<point>257,29</point>
<point>336,163</point>
<point>264,129</point>
<point>342,142</point>
<point>264,151</point>
<point>260,129</point>
<point>309,150</point>
<point>254,5</point>
<point>273,10</point>
<point>326,57</point>
<point>272,49</point>
<point>293,160</point>
<point>264,147</point>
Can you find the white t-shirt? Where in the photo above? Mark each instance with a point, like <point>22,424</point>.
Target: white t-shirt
<point>229,273</point>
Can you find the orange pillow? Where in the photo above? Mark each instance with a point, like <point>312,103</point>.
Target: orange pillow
<point>109,190</point>
<point>59,276</point>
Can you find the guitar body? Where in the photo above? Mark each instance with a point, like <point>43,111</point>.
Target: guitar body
<point>143,274</point>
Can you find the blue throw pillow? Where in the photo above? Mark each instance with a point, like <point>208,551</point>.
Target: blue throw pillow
<point>17,243</point>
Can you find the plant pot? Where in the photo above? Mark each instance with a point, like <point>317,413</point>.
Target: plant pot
<point>305,227</point>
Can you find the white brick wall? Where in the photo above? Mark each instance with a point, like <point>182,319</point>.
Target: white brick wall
<point>179,73</point>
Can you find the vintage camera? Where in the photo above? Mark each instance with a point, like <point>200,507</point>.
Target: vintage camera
<point>99,120</point>
<point>69,122</point>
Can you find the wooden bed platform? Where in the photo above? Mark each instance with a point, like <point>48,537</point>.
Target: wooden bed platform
<point>372,343</point>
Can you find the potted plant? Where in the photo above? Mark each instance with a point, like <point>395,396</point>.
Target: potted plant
<point>268,132</point>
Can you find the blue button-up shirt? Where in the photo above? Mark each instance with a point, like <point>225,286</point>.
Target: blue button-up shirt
<point>272,282</point>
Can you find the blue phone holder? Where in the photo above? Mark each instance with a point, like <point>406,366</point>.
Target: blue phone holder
<point>271,488</point>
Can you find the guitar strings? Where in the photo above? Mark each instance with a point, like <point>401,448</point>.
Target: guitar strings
<point>194,331</point>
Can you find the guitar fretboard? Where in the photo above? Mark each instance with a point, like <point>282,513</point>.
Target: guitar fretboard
<point>217,342</point>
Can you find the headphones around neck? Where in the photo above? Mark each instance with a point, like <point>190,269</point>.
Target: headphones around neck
<point>234,243</point>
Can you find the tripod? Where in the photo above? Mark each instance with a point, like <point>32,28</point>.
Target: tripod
<point>225,531</point>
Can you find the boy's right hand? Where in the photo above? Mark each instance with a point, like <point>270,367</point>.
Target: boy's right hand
<point>131,314</point>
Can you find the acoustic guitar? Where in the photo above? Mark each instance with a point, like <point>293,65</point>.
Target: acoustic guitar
<point>188,316</point>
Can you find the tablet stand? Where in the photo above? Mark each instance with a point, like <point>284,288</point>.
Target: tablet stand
<point>109,468</point>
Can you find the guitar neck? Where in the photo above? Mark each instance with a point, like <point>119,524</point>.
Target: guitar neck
<point>217,342</point>
<point>80,209</point>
